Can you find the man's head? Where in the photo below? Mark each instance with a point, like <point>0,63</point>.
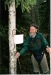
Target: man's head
<point>33,29</point>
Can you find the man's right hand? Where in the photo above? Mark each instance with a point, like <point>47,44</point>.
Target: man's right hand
<point>17,55</point>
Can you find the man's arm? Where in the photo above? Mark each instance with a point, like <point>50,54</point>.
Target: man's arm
<point>45,44</point>
<point>24,49</point>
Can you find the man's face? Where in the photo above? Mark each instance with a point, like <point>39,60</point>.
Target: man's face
<point>33,30</point>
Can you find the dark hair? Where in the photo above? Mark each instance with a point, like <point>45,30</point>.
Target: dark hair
<point>34,25</point>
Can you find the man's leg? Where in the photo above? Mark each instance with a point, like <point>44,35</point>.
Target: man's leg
<point>44,65</point>
<point>35,65</point>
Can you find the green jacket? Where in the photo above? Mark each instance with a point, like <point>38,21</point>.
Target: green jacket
<point>34,44</point>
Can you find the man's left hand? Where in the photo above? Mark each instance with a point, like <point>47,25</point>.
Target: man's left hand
<point>48,49</point>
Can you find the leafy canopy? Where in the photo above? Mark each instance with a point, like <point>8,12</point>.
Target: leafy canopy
<point>25,4</point>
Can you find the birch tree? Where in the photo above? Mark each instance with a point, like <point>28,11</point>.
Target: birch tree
<point>12,32</point>
<point>12,5</point>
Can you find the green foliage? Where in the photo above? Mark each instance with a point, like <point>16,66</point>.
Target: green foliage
<point>4,49</point>
<point>25,4</point>
<point>4,70</point>
<point>41,1</point>
<point>26,65</point>
<point>44,15</point>
<point>18,2</point>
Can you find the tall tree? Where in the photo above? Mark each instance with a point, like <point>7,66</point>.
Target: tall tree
<point>12,31</point>
<point>12,4</point>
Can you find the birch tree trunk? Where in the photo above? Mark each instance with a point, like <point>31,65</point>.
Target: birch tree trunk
<point>12,32</point>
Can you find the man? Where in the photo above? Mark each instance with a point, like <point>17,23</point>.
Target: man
<point>37,45</point>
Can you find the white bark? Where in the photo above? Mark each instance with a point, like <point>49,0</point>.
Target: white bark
<point>12,31</point>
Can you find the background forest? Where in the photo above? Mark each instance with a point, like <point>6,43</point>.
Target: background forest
<point>40,15</point>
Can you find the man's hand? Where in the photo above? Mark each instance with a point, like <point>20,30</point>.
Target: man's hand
<point>17,55</point>
<point>48,49</point>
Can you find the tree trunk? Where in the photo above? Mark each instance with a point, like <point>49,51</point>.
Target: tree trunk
<point>12,32</point>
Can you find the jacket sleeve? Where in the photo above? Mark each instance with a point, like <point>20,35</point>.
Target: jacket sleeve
<point>44,41</point>
<point>25,46</point>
